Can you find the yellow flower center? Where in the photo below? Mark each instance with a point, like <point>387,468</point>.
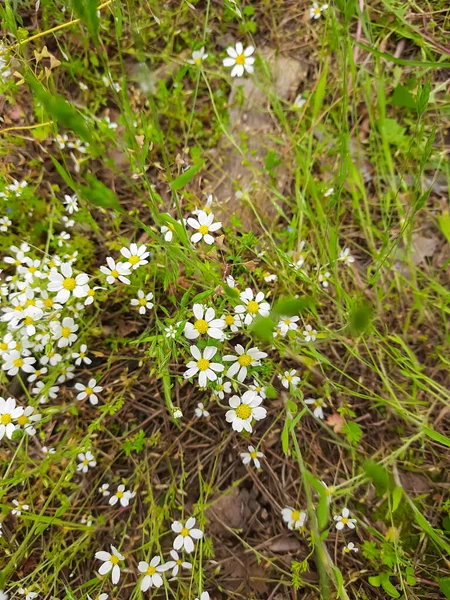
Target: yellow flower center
<point>203,229</point>
<point>134,259</point>
<point>32,269</point>
<point>5,419</point>
<point>48,303</point>
<point>151,570</point>
<point>85,462</point>
<point>253,454</point>
<point>220,388</point>
<point>114,559</point>
<point>23,420</point>
<point>171,226</point>
<point>203,364</point>
<point>30,302</point>
<point>65,332</point>
<point>252,307</point>
<point>91,293</point>
<point>245,360</point>
<point>142,301</point>
<point>229,320</point>
<point>119,494</point>
<point>18,362</point>
<point>184,532</point>
<point>347,550</point>
<point>69,283</point>
<point>240,59</point>
<point>201,326</point>
<point>344,520</point>
<point>295,515</point>
<point>28,320</point>
<point>19,308</point>
<point>3,346</point>
<point>82,355</point>
<point>115,273</point>
<point>198,60</point>
<point>243,411</point>
<point>89,391</point>
<point>289,377</point>
<point>317,11</point>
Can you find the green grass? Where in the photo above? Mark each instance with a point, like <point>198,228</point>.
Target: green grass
<point>373,128</point>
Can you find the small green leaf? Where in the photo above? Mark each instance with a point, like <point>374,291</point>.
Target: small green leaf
<point>388,587</point>
<point>352,432</point>
<point>436,436</point>
<point>380,477</point>
<point>375,580</point>
<point>98,194</point>
<point>86,11</point>
<point>361,315</point>
<point>61,110</point>
<point>262,327</point>
<point>285,437</point>
<point>397,495</point>
<point>444,586</point>
<point>291,307</point>
<point>186,177</point>
<point>444,224</point>
<point>402,97</point>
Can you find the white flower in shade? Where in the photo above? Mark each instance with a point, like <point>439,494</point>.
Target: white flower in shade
<point>9,413</point>
<point>243,360</point>
<point>168,231</point>
<point>143,301</point>
<point>176,563</point>
<point>104,489</point>
<point>243,410</point>
<point>177,413</point>
<point>67,373</point>
<point>14,361</point>
<point>110,563</point>
<point>47,450</point>
<point>87,520</point>
<point>71,203</point>
<point>28,595</point>
<point>294,518</point>
<point>19,507</point>
<point>89,391</point>
<point>40,388</point>
<point>51,358</point>
<point>289,378</point>
<point>62,238</point>
<point>122,496</point>
<point>239,59</point>
<point>78,145</point>
<point>152,570</point>
<point>61,140</point>
<point>221,388</point>
<point>205,595</point>
<point>270,277</point>
<point>234,322</point>
<point>205,324</point>
<point>315,11</point>
<point>258,388</point>
<point>135,255</point>
<point>27,418</point>
<point>323,279</point>
<point>116,271</point>
<point>187,533</point>
<point>317,406</point>
<point>171,331</point>
<point>64,332</point>
<point>252,306</point>
<point>346,257</point>
<point>204,224</point>
<point>198,56</point>
<point>299,101</point>
<point>5,223</point>
<point>65,284</point>
<point>252,455</point>
<point>85,461</point>
<point>344,519</point>
<point>309,334</point>
<point>286,324</point>
<point>81,356</point>
<point>30,316</point>
<point>350,547</point>
<point>203,365</point>
<point>200,411</point>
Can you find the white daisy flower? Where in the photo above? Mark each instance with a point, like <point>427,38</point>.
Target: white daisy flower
<point>187,533</point>
<point>14,361</point>
<point>81,356</point>
<point>143,301</point>
<point>89,391</point>
<point>171,331</point>
<point>104,489</point>
<point>9,413</point>
<point>198,56</point>
<point>176,563</point>
<point>346,257</point>
<point>243,410</point>
<point>234,322</point>
<point>270,277</point>
<point>168,231</point>
<point>204,224</point>
<point>239,59</point>
<point>51,392</point>
<point>135,255</point>
<point>317,406</point>
<point>200,411</point>
<point>243,360</point>
<point>344,519</point>
<point>47,450</point>
<point>28,595</point>
<point>5,223</point>
<point>62,238</point>
<point>289,378</point>
<point>350,547</point>
<point>299,101</point>
<point>122,496</point>
<point>36,374</point>
<point>315,11</point>
<point>71,203</point>
<point>286,324</point>
<point>152,570</point>
<point>18,508</point>
<point>221,388</point>
<point>65,284</point>
<point>64,332</point>
<point>253,305</point>
<point>252,455</point>
<point>116,271</point>
<point>110,563</point>
<point>61,140</point>
<point>309,334</point>
<point>323,279</point>
<point>258,388</point>
<point>205,324</point>
<point>203,366</point>
<point>294,518</point>
<point>85,461</point>
<point>26,420</point>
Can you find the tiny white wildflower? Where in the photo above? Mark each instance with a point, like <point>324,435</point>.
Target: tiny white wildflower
<point>252,455</point>
<point>186,534</point>
<point>344,519</point>
<point>110,563</point>
<point>239,59</point>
